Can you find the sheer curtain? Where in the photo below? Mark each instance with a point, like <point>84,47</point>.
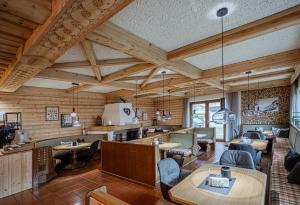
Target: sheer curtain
<point>233,102</point>
<point>295,100</point>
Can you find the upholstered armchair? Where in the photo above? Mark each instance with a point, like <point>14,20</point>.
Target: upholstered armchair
<point>237,158</point>
<point>170,175</point>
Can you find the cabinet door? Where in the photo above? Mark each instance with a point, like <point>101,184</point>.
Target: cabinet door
<point>15,172</point>
<point>26,167</point>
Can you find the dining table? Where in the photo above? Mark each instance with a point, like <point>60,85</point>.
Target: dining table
<point>74,149</point>
<point>257,144</point>
<point>249,188</point>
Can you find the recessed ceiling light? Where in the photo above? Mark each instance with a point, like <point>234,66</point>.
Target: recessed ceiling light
<point>230,6</point>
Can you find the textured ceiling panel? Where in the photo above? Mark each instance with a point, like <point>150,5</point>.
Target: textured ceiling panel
<point>45,83</point>
<point>83,71</point>
<point>72,55</point>
<point>170,24</point>
<point>101,89</point>
<point>103,52</point>
<point>276,42</point>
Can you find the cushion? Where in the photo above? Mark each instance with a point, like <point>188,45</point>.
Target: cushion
<point>181,151</point>
<point>294,175</point>
<point>291,159</point>
<point>275,130</point>
<point>259,129</point>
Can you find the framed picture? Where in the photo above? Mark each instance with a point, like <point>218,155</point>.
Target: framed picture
<point>52,113</point>
<point>267,105</point>
<point>66,120</point>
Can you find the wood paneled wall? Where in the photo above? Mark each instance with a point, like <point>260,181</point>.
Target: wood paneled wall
<point>176,107</point>
<point>32,102</point>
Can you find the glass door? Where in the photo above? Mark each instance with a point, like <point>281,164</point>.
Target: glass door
<point>213,107</point>
<point>201,116</point>
<point>198,115</point>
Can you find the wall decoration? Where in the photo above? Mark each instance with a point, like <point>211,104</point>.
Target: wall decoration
<point>52,113</point>
<point>280,117</point>
<point>267,104</point>
<point>66,120</point>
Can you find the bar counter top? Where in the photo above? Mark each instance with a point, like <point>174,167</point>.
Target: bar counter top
<point>23,148</point>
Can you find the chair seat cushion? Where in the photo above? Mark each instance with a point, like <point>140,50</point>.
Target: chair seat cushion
<point>180,151</point>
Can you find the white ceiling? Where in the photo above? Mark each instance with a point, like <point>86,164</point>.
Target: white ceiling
<point>101,89</point>
<point>276,42</point>
<point>46,83</point>
<point>170,24</point>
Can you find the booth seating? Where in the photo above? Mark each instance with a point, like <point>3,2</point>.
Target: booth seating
<point>208,142</point>
<point>189,148</point>
<point>253,127</point>
<point>282,192</point>
<point>100,196</point>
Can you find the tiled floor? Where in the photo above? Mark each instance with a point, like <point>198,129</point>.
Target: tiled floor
<point>70,188</point>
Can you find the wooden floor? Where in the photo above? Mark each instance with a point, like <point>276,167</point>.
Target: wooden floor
<point>70,187</point>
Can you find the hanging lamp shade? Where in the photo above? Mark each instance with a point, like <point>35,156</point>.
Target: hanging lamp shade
<point>224,115</point>
<point>76,123</point>
<point>248,111</point>
<point>73,113</point>
<point>162,116</point>
<point>135,118</point>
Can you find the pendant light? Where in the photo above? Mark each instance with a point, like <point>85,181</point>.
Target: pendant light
<point>257,111</point>
<point>224,115</point>
<point>135,119</point>
<point>157,113</point>
<point>164,116</point>
<point>248,112</point>
<point>169,115</point>
<point>76,122</point>
<point>73,113</point>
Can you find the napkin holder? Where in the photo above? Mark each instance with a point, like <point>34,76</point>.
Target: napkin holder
<point>220,182</point>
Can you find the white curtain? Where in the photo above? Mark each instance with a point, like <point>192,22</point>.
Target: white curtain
<point>295,99</point>
<point>233,102</point>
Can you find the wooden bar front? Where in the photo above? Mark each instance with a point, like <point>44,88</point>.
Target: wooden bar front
<point>135,162</point>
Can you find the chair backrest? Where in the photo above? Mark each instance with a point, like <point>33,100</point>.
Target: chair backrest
<point>243,147</point>
<point>236,133</point>
<point>169,171</point>
<point>94,147</point>
<point>237,158</point>
<point>254,135</point>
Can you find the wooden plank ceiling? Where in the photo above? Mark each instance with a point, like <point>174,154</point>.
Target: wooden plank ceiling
<point>33,34</point>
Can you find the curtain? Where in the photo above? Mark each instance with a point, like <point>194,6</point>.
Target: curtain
<point>185,113</point>
<point>233,102</point>
<point>295,101</point>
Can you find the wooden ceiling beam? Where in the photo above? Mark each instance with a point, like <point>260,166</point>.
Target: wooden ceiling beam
<point>262,85</point>
<point>260,27</point>
<point>90,54</point>
<point>17,20</point>
<point>286,58</point>
<point>115,37</point>
<point>107,62</point>
<point>296,74</point>
<point>81,79</point>
<point>81,87</point>
<point>260,76</point>
<point>167,76</point>
<point>150,76</point>
<point>66,26</point>
<point>216,83</point>
<point>127,72</point>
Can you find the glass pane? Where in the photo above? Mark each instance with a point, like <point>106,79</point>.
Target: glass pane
<point>198,115</point>
<point>213,107</point>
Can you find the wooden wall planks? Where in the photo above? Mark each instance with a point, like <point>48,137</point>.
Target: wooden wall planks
<point>15,173</point>
<point>32,102</point>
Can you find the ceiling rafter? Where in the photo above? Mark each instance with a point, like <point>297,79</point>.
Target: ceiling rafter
<point>106,62</point>
<point>57,34</point>
<point>115,37</point>
<point>167,76</point>
<point>90,53</point>
<point>260,27</point>
<point>81,79</point>
<point>150,76</point>
<point>296,74</point>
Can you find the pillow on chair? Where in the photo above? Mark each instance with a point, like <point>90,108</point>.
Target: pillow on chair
<point>275,131</point>
<point>291,159</point>
<point>294,175</point>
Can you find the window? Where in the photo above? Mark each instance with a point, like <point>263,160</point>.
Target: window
<point>201,116</point>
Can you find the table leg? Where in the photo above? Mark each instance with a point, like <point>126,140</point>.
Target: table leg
<point>75,164</point>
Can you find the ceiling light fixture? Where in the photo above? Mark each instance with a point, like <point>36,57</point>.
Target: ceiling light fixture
<point>74,115</point>
<point>136,119</point>
<point>248,111</point>
<point>224,115</point>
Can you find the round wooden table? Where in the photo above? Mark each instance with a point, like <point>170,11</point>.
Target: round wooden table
<point>73,149</point>
<point>249,188</point>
